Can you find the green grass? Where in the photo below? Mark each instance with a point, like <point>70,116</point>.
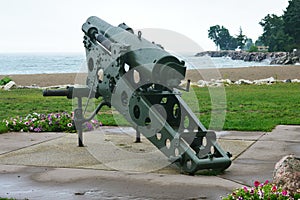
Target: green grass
<point>248,107</point>
<point>20,102</point>
<point>255,107</point>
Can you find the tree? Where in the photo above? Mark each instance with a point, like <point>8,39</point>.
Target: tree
<point>259,42</point>
<point>248,44</point>
<point>232,43</point>
<point>291,18</point>
<point>274,35</point>
<point>241,39</point>
<point>221,37</point>
<point>213,34</point>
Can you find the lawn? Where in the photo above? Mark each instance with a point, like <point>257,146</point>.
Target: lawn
<point>247,107</point>
<point>256,107</point>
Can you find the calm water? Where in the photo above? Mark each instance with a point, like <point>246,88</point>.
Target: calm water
<point>45,63</point>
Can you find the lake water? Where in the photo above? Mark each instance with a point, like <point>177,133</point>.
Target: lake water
<point>49,63</point>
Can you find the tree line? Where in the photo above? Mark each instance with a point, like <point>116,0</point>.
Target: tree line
<point>280,33</point>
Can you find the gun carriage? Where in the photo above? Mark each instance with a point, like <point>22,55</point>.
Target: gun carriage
<point>141,81</point>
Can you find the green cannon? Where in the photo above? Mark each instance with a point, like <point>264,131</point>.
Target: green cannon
<point>141,81</point>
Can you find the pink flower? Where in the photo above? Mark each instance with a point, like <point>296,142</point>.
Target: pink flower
<point>274,188</point>
<point>245,189</point>
<point>94,121</point>
<point>266,182</point>
<point>284,193</point>
<point>69,124</point>
<point>256,183</point>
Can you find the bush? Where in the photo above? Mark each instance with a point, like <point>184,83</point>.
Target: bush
<point>3,128</point>
<point>5,80</point>
<point>253,48</point>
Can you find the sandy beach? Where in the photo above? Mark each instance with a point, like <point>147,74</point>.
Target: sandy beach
<point>249,73</point>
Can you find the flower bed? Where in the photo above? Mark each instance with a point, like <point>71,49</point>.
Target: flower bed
<point>53,122</point>
<point>266,191</point>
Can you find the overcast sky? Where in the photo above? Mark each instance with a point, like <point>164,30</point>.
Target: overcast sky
<point>55,25</point>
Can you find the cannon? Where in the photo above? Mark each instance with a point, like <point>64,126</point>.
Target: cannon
<point>141,81</point>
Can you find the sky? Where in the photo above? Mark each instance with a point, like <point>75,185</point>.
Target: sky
<point>55,25</point>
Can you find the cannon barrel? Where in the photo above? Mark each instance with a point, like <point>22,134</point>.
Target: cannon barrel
<point>151,61</point>
<point>69,92</point>
<point>49,93</point>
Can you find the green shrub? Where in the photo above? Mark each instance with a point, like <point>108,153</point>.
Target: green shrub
<point>3,128</point>
<point>5,80</point>
<point>253,48</point>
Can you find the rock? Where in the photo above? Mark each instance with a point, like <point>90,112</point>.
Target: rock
<point>295,59</point>
<point>202,83</point>
<point>265,81</point>
<point>295,81</point>
<point>243,82</point>
<point>288,61</point>
<point>225,81</point>
<point>288,81</point>
<point>287,174</point>
<point>9,85</point>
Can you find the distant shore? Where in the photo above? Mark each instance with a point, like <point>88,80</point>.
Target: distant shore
<point>249,73</point>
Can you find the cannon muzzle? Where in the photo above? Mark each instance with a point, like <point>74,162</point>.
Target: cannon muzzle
<point>69,92</point>
<point>48,93</point>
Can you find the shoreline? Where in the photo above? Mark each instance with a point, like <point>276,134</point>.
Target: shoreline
<point>248,73</point>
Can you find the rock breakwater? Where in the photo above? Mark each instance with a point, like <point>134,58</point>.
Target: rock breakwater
<point>276,58</point>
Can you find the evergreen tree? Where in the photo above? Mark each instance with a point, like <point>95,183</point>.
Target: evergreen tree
<point>291,18</point>
<point>241,39</point>
<point>248,44</point>
<point>274,35</point>
<point>259,41</point>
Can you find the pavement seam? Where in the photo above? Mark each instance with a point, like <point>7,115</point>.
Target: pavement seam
<point>234,181</point>
<point>254,141</point>
<point>1,154</point>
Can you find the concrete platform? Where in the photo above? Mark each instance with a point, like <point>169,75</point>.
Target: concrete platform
<point>112,166</point>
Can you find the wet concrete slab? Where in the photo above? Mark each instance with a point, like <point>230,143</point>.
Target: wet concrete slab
<point>109,148</point>
<point>52,183</point>
<point>112,166</point>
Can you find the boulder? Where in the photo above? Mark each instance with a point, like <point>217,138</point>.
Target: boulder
<point>287,174</point>
<point>243,82</point>
<point>9,85</point>
<point>265,81</point>
<point>288,81</point>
